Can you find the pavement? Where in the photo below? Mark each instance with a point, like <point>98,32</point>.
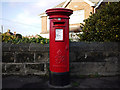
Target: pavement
<point>9,82</point>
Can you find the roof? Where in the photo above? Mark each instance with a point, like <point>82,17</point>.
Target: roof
<point>42,14</point>
<point>90,2</point>
<point>64,4</point>
<point>94,1</point>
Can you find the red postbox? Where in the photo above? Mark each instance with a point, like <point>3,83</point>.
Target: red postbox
<point>59,45</point>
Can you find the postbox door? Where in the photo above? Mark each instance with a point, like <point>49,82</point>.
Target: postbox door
<point>59,50</point>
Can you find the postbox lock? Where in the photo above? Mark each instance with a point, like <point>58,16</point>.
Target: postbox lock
<point>59,19</point>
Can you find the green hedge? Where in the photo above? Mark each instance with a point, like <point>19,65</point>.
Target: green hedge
<point>17,40</point>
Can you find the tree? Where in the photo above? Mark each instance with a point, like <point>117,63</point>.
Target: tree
<point>104,25</point>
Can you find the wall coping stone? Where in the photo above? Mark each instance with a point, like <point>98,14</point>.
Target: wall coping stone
<point>74,46</point>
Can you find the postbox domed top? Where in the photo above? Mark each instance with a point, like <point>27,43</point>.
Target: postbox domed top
<point>59,12</point>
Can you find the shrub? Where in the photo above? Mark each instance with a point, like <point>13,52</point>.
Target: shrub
<point>18,39</point>
<point>104,25</point>
<point>19,36</point>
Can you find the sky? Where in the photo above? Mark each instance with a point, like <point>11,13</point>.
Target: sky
<point>22,16</point>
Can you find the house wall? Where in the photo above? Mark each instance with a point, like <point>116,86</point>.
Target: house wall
<point>85,58</point>
<point>44,24</point>
<point>80,6</point>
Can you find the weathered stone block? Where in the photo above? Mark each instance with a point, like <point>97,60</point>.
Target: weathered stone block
<point>110,46</point>
<point>89,56</point>
<point>80,56</point>
<point>112,59</point>
<point>111,68</point>
<point>41,56</point>
<point>6,46</point>
<point>20,47</point>
<point>14,68</point>
<point>39,47</point>
<point>96,46</point>
<point>95,56</point>
<point>118,46</point>
<point>110,54</point>
<point>8,57</point>
<point>0,48</point>
<point>82,46</point>
<point>34,68</point>
<point>91,68</point>
<point>3,68</point>
<point>119,64</point>
<point>22,57</point>
<point>72,56</point>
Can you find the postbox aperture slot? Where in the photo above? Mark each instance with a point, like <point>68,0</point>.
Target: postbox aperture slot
<point>58,34</point>
<point>59,23</point>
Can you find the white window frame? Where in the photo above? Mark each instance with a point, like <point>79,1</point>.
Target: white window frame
<point>77,17</point>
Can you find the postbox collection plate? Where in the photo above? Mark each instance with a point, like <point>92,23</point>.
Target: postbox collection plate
<point>59,35</point>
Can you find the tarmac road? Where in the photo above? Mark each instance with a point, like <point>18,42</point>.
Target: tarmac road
<point>43,82</point>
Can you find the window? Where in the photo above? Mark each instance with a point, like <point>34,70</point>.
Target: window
<point>77,17</point>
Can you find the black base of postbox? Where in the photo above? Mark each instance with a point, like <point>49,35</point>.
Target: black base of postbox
<point>59,79</point>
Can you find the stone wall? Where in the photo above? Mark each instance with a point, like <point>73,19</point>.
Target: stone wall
<point>85,59</point>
